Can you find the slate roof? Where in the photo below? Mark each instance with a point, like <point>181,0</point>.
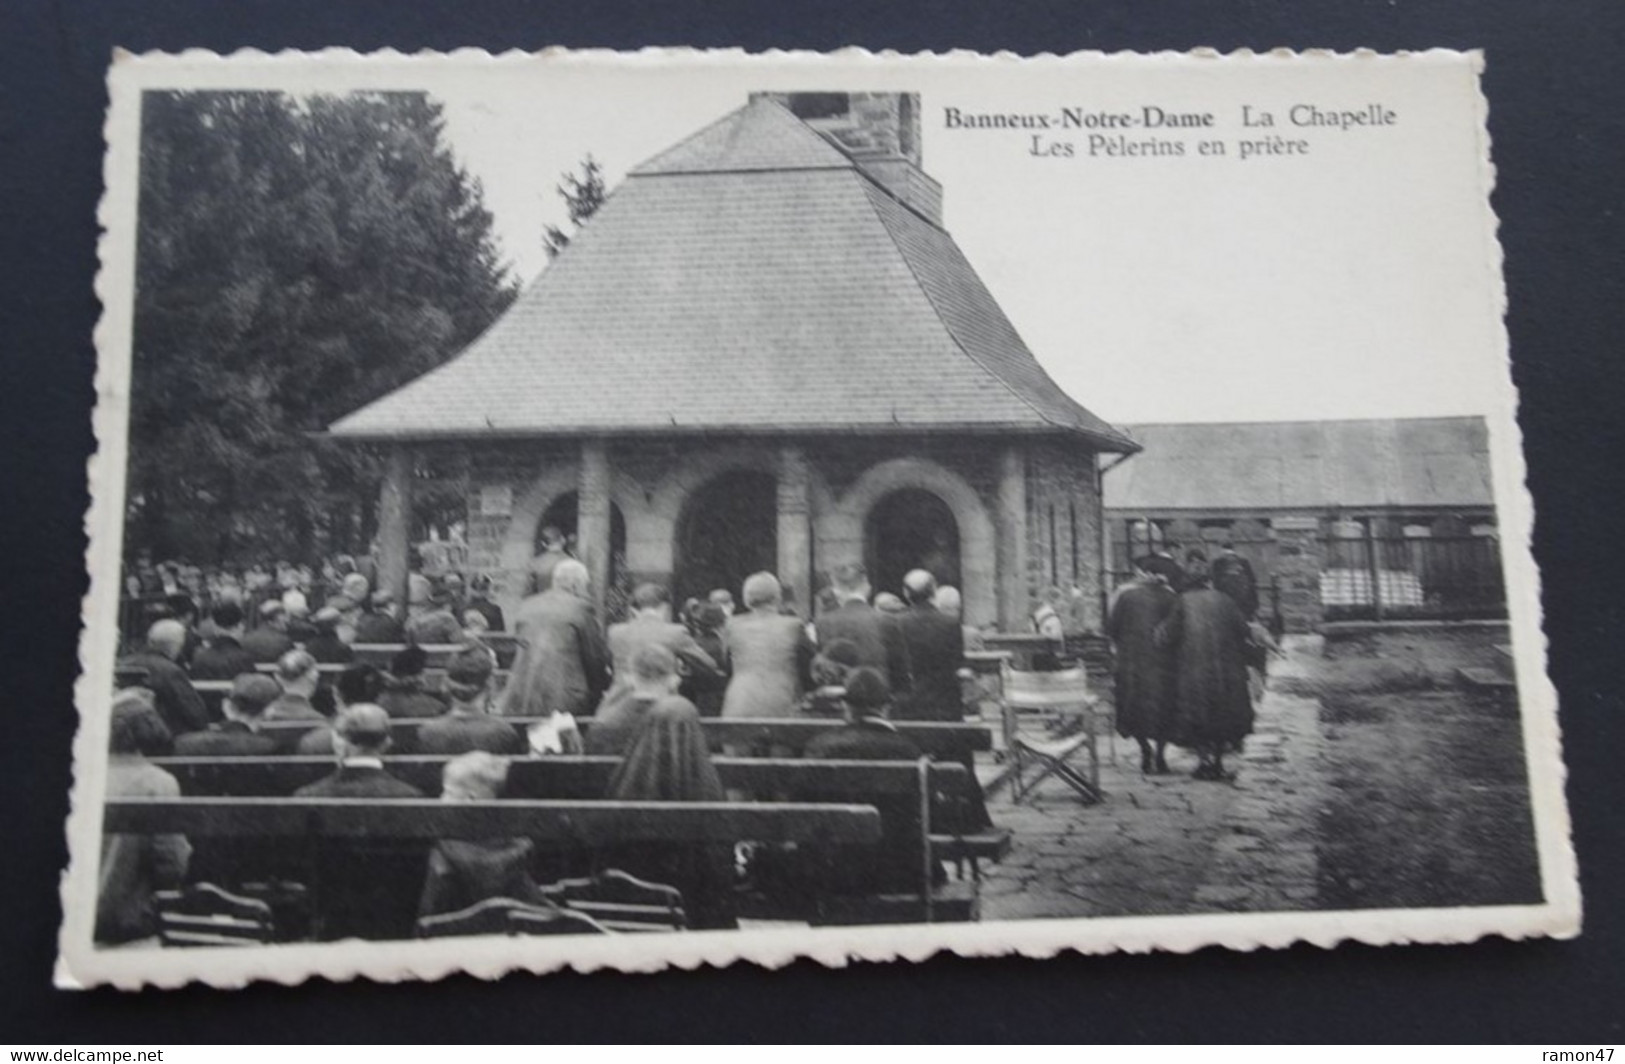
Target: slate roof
<point>1420,463</point>
<point>750,278</point>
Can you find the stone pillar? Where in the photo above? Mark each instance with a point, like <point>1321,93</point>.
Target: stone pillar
<point>593,517</point>
<point>1300,557</point>
<point>395,524</point>
<point>1012,539</point>
<point>795,526</point>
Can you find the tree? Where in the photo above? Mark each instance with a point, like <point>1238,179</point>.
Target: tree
<point>582,197</point>
<point>296,259</point>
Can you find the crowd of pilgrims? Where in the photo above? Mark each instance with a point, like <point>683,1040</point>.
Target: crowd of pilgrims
<point>1188,651</point>
<point>645,682</point>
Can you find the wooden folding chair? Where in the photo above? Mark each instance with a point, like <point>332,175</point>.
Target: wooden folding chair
<point>621,901</point>
<point>206,915</point>
<point>1059,703</point>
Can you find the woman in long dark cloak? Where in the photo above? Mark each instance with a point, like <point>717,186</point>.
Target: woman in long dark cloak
<point>670,762</point>
<point>1208,638</point>
<point>1144,667</point>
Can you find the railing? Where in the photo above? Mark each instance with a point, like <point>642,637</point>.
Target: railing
<point>1412,577</point>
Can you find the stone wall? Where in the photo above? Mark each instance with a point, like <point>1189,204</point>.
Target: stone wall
<point>511,485</point>
<point>1065,528</point>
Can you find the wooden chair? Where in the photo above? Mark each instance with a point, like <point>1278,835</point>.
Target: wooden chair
<point>505,916</point>
<point>1059,703</point>
<point>206,915</point>
<point>532,920</point>
<point>622,902</point>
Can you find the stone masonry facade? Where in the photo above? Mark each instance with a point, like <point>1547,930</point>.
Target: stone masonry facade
<point>1027,509</point>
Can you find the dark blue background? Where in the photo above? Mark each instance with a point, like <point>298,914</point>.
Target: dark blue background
<point>1555,97</point>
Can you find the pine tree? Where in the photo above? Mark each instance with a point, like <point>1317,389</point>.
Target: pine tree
<point>582,196</point>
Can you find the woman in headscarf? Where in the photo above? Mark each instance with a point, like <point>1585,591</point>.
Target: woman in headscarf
<point>1208,639</point>
<point>670,762</point>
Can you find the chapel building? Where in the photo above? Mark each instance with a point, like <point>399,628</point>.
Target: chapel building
<point>764,352</point>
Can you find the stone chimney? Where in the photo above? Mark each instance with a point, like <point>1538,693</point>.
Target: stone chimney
<point>880,131</point>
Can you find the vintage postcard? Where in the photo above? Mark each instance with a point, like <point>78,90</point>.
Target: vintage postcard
<point>643,510</point>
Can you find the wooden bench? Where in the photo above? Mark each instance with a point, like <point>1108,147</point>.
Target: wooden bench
<point>327,843</point>
<point>553,778</point>
<point>946,741</point>
<point>568,823</point>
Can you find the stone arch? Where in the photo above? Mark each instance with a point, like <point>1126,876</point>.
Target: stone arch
<point>839,530</point>
<point>518,544</point>
<point>654,541</point>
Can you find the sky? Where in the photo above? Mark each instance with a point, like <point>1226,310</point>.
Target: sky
<point>1355,281</point>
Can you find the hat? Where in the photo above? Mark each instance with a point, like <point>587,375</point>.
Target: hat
<point>252,692</point>
<point>272,608</point>
<point>470,668</point>
<point>327,618</point>
<point>363,724</point>
<point>382,597</point>
<point>867,689</point>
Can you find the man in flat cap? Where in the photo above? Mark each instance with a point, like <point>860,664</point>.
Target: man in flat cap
<point>360,738</point>
<point>174,697</point>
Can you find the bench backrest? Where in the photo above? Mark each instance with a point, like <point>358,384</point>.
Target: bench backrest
<point>585,824</point>
<point>565,777</point>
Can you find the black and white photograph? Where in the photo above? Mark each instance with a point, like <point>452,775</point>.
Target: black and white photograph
<point>605,510</point>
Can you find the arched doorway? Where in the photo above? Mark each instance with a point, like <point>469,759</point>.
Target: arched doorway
<point>728,530</point>
<point>561,514</point>
<point>911,529</point>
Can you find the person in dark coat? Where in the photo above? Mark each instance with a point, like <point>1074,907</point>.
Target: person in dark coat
<point>1210,645</point>
<point>651,624</point>
<point>173,695</point>
<point>705,690</point>
<point>929,652</point>
<point>223,657</point>
<point>1143,667</point>
<point>563,664</point>
<point>238,735</point>
<point>871,631</point>
<point>653,679</point>
<point>768,653</point>
<point>1234,575</point>
<point>404,692</point>
<point>479,591</point>
<point>362,879</point>
<point>464,872</point>
<point>869,735</point>
<point>377,622</point>
<point>466,724</point>
<point>670,762</point>
<point>269,641</point>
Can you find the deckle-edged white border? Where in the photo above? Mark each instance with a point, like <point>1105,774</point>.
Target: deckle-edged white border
<point>80,965</point>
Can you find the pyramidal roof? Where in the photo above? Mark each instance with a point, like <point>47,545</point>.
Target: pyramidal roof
<point>749,279</point>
